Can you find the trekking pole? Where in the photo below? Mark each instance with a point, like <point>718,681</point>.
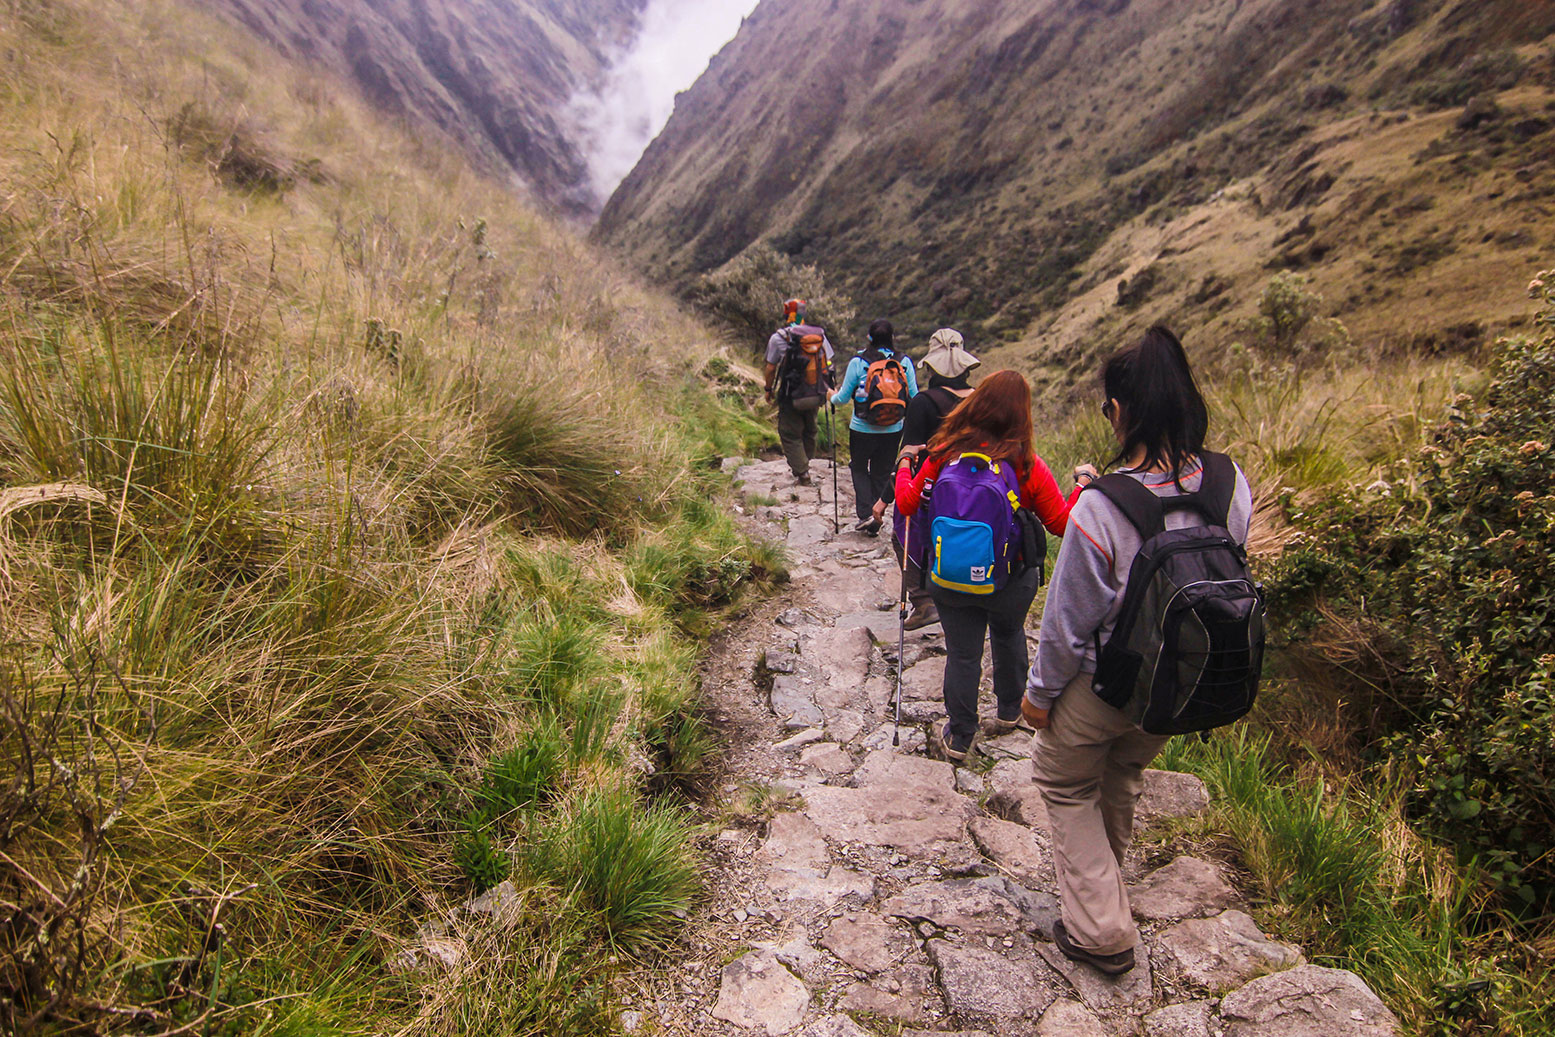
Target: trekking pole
<point>831,433</point>
<point>901,631</point>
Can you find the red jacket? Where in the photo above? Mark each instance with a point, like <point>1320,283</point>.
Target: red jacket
<point>1038,491</point>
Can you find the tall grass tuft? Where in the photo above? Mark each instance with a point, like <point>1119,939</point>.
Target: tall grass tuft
<point>628,862</point>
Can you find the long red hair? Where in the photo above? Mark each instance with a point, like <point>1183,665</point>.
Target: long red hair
<point>995,420</point>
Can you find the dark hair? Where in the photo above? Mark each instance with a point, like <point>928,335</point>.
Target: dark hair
<point>995,420</point>
<point>1162,406</point>
<point>882,334</point>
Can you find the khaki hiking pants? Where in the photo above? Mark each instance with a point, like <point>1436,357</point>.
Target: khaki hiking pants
<point>796,432</point>
<point>1089,763</point>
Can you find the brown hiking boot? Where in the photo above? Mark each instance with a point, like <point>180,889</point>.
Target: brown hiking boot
<point>1111,964</point>
<point>924,616</point>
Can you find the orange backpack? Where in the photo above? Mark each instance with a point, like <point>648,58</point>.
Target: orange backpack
<point>885,390</point>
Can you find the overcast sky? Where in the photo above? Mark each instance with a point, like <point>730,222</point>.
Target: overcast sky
<point>679,37</point>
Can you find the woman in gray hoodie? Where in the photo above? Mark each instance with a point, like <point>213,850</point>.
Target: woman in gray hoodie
<point>1088,758</point>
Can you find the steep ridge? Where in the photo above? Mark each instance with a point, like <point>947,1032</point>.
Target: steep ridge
<point>494,75</point>
<point>883,892</point>
<point>1005,165</point>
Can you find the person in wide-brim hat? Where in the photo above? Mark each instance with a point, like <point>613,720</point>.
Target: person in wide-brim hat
<point>947,356</point>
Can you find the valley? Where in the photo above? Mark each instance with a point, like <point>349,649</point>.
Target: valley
<point>1050,177</point>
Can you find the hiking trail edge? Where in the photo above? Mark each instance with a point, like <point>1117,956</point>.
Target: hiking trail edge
<point>890,893</point>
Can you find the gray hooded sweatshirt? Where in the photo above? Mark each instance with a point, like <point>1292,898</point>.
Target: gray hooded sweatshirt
<point>1086,593</point>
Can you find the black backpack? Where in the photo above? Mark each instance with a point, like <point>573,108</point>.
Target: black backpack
<point>1187,651</point>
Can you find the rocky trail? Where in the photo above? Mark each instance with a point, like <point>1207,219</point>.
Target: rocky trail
<point>877,891</point>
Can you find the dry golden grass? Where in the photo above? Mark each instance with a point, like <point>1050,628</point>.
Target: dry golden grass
<point>327,471</point>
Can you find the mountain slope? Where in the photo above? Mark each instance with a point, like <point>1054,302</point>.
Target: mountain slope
<point>1004,165</point>
<point>494,75</point>
<point>350,546</point>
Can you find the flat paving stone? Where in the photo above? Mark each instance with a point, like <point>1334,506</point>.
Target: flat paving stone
<point>867,942</point>
<point>845,726</point>
<point>828,886</point>
<point>757,992</point>
<point>916,819</point>
<point>1018,851</point>
<point>899,995</point>
<point>912,738</point>
<point>827,758</point>
<point>982,985</point>
<point>1171,794</point>
<point>1066,1018</point>
<point>847,591</point>
<point>834,1026</point>
<point>1185,888</point>
<point>842,655</point>
<point>925,680</point>
<point>880,626</point>
<point>1308,1001</point>
<point>793,702</point>
<point>989,906</point>
<point>1222,952</point>
<point>1191,1019</point>
<point>794,841</point>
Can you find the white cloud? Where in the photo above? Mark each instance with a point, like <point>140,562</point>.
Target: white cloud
<point>677,40</point>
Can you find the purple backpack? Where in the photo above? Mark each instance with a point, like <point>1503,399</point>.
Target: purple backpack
<point>979,535</point>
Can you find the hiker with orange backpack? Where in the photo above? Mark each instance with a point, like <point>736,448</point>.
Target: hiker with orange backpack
<point>799,379</point>
<point>947,364</point>
<point>880,382</point>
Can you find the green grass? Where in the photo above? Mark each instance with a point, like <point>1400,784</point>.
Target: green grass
<point>381,562</point>
<point>1335,867</point>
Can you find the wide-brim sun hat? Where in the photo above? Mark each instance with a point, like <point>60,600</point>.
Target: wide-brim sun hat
<point>947,357</point>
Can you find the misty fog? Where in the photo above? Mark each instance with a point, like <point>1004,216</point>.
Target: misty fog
<point>678,38</point>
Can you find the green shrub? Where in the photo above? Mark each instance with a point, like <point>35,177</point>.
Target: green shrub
<point>1290,322</point>
<point>747,294</point>
<point>1437,588</point>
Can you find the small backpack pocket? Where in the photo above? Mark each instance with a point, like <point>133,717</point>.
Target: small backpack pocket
<point>963,556</point>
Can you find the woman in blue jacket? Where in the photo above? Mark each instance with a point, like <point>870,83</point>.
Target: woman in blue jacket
<point>873,447</point>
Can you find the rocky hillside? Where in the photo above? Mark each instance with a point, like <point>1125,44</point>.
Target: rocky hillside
<point>494,75</point>
<point>1046,175</point>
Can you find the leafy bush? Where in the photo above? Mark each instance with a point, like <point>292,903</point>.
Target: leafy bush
<point>1290,322</point>
<point>747,293</point>
<point>1438,588</point>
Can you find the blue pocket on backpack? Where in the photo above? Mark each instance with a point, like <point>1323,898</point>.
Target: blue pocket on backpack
<point>963,556</point>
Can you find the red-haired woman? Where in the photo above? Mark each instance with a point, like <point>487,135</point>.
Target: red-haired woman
<point>994,423</point>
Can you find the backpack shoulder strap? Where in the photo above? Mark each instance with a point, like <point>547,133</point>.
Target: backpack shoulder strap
<point>1217,488</point>
<point>1142,508</point>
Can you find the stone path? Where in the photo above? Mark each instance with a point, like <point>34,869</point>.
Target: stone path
<point>886,893</point>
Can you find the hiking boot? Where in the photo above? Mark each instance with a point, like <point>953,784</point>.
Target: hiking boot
<point>955,749</point>
<point>921,616</point>
<point>803,480</point>
<point>868,526</point>
<point>1111,964</point>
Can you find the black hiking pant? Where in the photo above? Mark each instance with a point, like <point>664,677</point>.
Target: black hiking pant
<point>873,467</point>
<point>966,619</point>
